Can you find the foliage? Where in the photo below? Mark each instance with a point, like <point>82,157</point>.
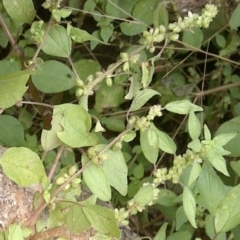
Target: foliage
<point>122,99</point>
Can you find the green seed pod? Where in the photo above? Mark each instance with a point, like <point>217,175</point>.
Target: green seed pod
<point>60,180</point>
<point>72,170</point>
<point>66,187</point>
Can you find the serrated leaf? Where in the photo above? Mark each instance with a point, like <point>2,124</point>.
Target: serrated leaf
<point>210,182</point>
<point>234,21</point>
<point>115,170</point>
<point>144,195</point>
<point>182,107</point>
<point>20,11</point>
<point>227,215</point>
<point>102,219</point>
<point>23,166</point>
<point>76,220</point>
<point>165,143</point>
<point>57,42</point>
<point>54,77</point>
<point>76,123</point>
<point>96,180</point>
<point>194,126</point>
<point>12,132</point>
<point>189,205</point>
<point>149,144</point>
<point>141,98</point>
<point>10,82</point>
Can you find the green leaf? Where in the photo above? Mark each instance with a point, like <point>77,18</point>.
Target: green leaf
<point>195,145</point>
<point>49,138</point>
<point>160,15</point>
<point>54,77</point>
<point>181,218</point>
<point>108,97</point>
<point>149,144</point>
<point>86,67</point>
<point>115,170</point>
<point>132,29</point>
<point>227,215</point>
<point>234,21</point>
<point>144,195</point>
<point>207,133</point>
<point>189,205</point>
<point>20,11</point>
<point>166,198</point>
<point>231,126</point>
<point>182,234</point>
<point>14,88</point>
<point>223,139</point>
<point>96,180</point>
<point>76,220</point>
<point>182,107</point>
<point>23,166</point>
<point>15,232</point>
<point>135,86</point>
<point>102,219</point>
<point>113,8</point>
<point>193,37</point>
<point>76,123</point>
<point>57,42</point>
<point>218,163</point>
<point>8,66</point>
<point>79,35</point>
<point>106,32</point>
<point>166,143</point>
<point>194,173</point>
<point>210,182</point>
<point>161,234</point>
<point>194,126</point>
<point>12,133</point>
<point>235,165</point>
<point>143,11</point>
<point>141,98</point>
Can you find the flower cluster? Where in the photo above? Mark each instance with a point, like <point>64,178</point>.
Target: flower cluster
<point>62,179</point>
<point>171,33</point>
<point>121,216</point>
<point>179,164</point>
<point>95,157</point>
<point>142,123</point>
<point>128,60</point>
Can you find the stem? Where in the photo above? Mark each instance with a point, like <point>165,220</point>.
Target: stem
<point>37,103</point>
<point>43,40</point>
<point>217,89</point>
<point>59,154</point>
<point>14,45</point>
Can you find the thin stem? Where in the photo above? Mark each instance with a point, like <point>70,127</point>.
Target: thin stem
<point>43,40</point>
<point>217,89</point>
<point>59,154</point>
<point>114,140</point>
<point>73,67</point>
<point>37,103</point>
